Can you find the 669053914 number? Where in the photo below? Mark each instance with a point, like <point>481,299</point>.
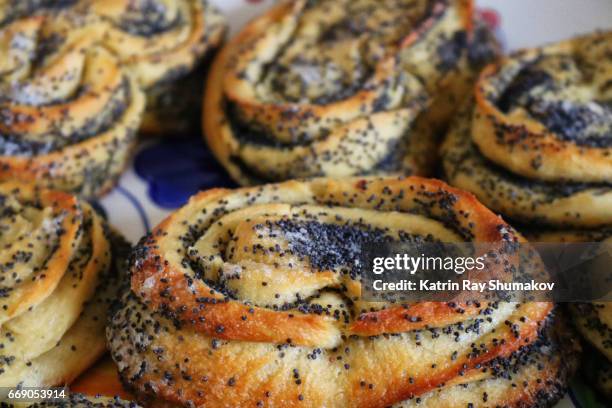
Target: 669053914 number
<point>33,394</point>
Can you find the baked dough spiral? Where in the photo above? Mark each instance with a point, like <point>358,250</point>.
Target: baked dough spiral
<point>163,42</point>
<point>340,88</point>
<point>69,112</point>
<point>72,76</point>
<point>536,142</point>
<point>57,278</point>
<point>250,296</point>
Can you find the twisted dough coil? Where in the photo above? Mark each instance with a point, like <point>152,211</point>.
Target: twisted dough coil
<point>56,279</point>
<point>72,77</point>
<point>535,144</point>
<point>334,88</point>
<point>247,295</point>
<point>69,111</point>
<point>160,41</point>
<point>545,113</point>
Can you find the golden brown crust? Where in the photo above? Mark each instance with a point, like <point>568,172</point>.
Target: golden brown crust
<point>559,133</point>
<point>55,263</point>
<point>297,94</point>
<point>233,301</point>
<point>229,372</point>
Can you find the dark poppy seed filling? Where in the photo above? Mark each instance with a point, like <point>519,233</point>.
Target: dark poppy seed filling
<point>338,61</point>
<point>548,100</point>
<point>329,88</point>
<point>329,246</point>
<point>516,93</point>
<point>333,246</point>
<point>584,124</point>
<point>48,44</point>
<point>452,50</point>
<point>164,43</point>
<point>148,18</point>
<point>480,51</point>
<point>56,139</point>
<point>250,133</point>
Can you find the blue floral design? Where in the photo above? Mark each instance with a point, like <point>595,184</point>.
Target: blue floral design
<point>176,169</point>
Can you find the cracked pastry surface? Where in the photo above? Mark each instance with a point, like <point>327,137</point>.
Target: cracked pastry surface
<point>340,88</point>
<point>535,144</point>
<point>57,278</point>
<point>251,296</point>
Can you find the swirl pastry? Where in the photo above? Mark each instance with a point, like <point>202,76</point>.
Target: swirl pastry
<point>251,297</point>
<point>56,281</point>
<point>163,42</point>
<point>72,76</point>
<point>536,144</point>
<point>68,112</point>
<point>340,88</point>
